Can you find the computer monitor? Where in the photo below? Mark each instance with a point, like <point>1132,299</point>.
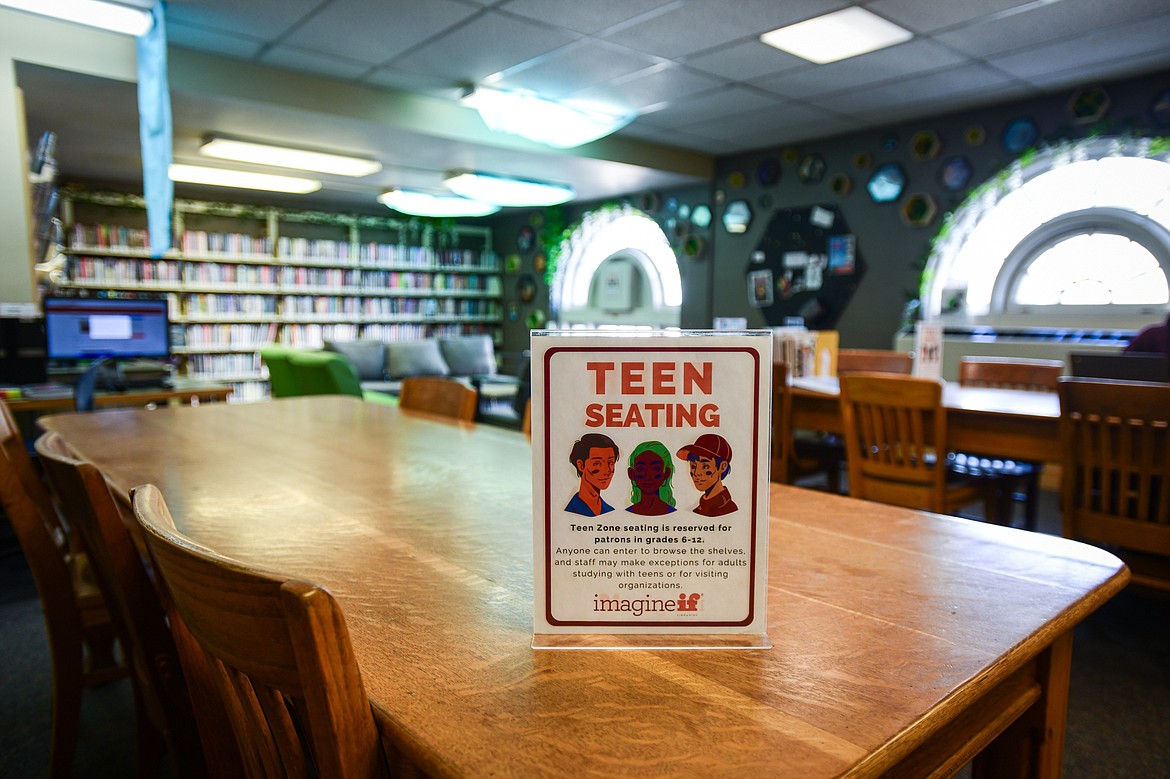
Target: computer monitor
<point>91,328</point>
<point>1126,366</point>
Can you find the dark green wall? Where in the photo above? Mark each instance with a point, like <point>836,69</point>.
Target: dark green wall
<point>893,250</point>
<point>714,283</point>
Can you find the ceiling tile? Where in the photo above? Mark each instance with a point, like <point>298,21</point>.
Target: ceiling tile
<point>715,105</point>
<point>235,46</point>
<point>763,122</point>
<point>651,87</point>
<point>892,64</point>
<point>588,17</point>
<point>923,16</point>
<point>747,60</point>
<point>706,24</point>
<point>576,67</point>
<point>263,19</point>
<point>462,56</point>
<point>295,58</point>
<point>915,91</point>
<point>1045,24</point>
<point>380,35</point>
<point>1147,37</point>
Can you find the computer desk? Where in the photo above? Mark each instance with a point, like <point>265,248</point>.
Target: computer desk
<point>906,643</point>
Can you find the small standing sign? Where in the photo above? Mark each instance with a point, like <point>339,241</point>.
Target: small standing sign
<point>650,488</point>
<point>928,348</point>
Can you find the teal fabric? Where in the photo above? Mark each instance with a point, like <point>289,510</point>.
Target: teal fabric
<point>280,374</point>
<point>154,131</point>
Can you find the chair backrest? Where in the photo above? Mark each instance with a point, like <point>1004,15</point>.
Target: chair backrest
<point>39,529</point>
<point>1025,374</point>
<point>444,397</point>
<point>280,651</point>
<point>873,360</point>
<point>280,374</point>
<point>128,592</point>
<point>324,373</point>
<point>1116,471</point>
<point>781,422</point>
<point>895,432</point>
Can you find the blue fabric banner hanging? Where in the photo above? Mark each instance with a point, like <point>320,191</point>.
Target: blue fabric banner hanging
<point>154,130</point>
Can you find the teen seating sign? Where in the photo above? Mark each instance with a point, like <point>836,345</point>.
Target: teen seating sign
<point>650,488</point>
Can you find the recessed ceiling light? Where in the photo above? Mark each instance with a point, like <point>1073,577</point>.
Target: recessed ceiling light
<point>415,203</point>
<point>114,17</point>
<point>544,121</point>
<point>837,36</point>
<point>285,157</point>
<point>222,177</point>
<point>507,191</point>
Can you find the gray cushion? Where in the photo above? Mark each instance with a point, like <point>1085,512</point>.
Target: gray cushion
<point>415,358</point>
<point>367,355</point>
<point>469,355</point>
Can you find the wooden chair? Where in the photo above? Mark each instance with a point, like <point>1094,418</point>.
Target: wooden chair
<point>874,360</point>
<point>1010,373</point>
<point>280,653</point>
<point>81,634</point>
<point>166,722</point>
<point>444,397</point>
<point>526,420</point>
<point>796,456</point>
<point>1115,486</point>
<point>895,438</point>
<point>1015,481</point>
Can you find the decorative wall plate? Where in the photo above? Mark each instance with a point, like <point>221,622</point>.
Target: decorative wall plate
<point>841,185</point>
<point>537,319</point>
<point>862,160</point>
<point>886,183</point>
<point>736,179</point>
<point>649,202</point>
<point>975,135</point>
<point>1160,109</point>
<point>955,173</point>
<point>512,263</point>
<point>1089,105</point>
<point>525,239</point>
<point>693,247</point>
<point>701,216</point>
<point>919,209</point>
<point>737,217</point>
<point>768,172</point>
<point>1019,135</point>
<point>812,168</point>
<point>925,145</point>
<point>526,288</point>
<point>540,262</point>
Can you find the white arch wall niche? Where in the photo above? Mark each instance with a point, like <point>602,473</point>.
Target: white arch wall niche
<point>623,232</point>
<point>1121,183</point>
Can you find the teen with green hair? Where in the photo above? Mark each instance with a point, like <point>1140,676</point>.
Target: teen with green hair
<point>650,471</point>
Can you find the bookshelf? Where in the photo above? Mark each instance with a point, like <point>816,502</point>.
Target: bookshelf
<point>242,277</point>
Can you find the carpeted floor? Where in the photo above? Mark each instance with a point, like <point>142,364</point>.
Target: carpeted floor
<point>1118,719</point>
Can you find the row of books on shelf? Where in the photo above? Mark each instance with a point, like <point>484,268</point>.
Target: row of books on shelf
<point>308,251</point>
<point>236,336</point>
<point>807,352</point>
<point>293,306</point>
<point>124,271</point>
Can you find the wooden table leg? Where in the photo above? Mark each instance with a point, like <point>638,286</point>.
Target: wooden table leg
<point>1034,744</point>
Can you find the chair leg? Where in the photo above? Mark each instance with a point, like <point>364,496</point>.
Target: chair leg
<point>1031,500</point>
<point>68,679</point>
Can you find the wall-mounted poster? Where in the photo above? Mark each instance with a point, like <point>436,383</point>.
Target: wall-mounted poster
<point>650,489</point>
<point>815,262</point>
<point>760,288</point>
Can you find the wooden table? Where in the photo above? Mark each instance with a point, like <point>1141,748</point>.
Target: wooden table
<point>203,392</point>
<point>998,422</point>
<point>904,642</point>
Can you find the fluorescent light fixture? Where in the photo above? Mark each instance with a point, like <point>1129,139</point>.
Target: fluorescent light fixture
<point>544,121</point>
<point>415,203</point>
<point>221,177</point>
<point>284,157</point>
<point>114,17</point>
<point>506,191</point>
<point>837,36</point>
